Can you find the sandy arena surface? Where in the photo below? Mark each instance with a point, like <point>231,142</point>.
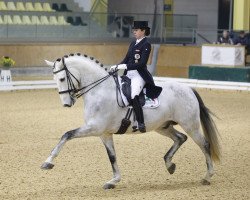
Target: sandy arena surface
<point>31,123</point>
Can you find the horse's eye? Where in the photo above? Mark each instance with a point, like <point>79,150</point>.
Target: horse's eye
<point>62,79</point>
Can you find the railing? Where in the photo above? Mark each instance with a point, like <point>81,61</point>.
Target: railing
<point>75,27</point>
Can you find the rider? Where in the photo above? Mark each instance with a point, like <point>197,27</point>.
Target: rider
<point>135,65</point>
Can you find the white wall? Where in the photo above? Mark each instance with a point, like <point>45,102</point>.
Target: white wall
<point>135,6</point>
<point>207,12</point>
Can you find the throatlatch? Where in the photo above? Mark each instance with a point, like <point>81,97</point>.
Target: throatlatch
<point>125,123</point>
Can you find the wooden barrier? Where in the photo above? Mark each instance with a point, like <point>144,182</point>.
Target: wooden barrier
<point>33,55</point>
<point>173,61</point>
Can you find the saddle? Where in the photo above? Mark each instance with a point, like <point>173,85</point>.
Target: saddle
<point>124,88</point>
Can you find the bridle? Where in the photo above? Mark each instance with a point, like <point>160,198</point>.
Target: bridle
<point>72,90</point>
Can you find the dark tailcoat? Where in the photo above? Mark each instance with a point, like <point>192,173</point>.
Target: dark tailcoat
<point>136,59</point>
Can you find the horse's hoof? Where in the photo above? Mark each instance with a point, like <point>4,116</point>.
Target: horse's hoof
<point>108,186</point>
<point>205,182</point>
<point>47,165</point>
<point>171,169</point>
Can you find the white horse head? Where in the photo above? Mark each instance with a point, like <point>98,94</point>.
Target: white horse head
<point>68,73</point>
<point>76,74</point>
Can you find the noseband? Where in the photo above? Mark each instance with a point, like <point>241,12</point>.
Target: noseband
<point>72,90</point>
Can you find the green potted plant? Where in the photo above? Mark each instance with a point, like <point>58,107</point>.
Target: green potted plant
<point>6,62</point>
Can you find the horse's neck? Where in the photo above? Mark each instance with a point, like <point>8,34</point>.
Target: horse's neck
<point>90,73</point>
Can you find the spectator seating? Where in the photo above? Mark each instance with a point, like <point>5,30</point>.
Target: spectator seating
<point>62,21</point>
<point>20,6</point>
<point>53,20</point>
<point>38,6</point>
<point>47,7</point>
<point>22,16</point>
<point>44,20</point>
<point>60,8</point>
<point>33,20</point>
<point>7,19</point>
<point>77,21</point>
<point>1,20</point>
<point>11,5</point>
<point>3,6</point>
<point>17,19</point>
<point>63,8</point>
<point>29,6</point>
<point>26,20</point>
<point>55,7</point>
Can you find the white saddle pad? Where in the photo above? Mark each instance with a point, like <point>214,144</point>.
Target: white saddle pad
<point>151,103</point>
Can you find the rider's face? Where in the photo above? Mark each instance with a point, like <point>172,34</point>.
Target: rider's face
<point>138,33</point>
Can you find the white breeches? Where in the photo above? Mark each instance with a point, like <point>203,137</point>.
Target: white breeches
<point>137,82</point>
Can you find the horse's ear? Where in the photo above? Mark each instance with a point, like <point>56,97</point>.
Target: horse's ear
<point>51,64</point>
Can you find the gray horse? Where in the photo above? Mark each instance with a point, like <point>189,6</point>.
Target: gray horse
<point>180,104</point>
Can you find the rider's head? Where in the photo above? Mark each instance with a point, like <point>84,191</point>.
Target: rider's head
<point>141,29</point>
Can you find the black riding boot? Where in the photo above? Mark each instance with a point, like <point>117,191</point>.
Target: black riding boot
<point>139,114</point>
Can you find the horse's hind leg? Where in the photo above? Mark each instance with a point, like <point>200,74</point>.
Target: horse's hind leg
<point>80,132</point>
<point>109,144</point>
<point>178,138</point>
<point>200,140</point>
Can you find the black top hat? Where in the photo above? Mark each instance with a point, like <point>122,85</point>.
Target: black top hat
<point>140,24</point>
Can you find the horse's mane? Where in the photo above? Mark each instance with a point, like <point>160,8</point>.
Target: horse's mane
<point>83,56</point>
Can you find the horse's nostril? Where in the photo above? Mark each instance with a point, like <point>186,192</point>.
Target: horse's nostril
<point>67,105</point>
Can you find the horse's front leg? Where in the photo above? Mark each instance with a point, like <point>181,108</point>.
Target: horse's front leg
<point>107,140</point>
<point>79,132</point>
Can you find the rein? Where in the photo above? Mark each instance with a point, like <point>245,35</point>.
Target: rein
<point>118,90</point>
<point>80,92</point>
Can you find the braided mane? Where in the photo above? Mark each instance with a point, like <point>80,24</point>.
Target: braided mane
<point>84,56</point>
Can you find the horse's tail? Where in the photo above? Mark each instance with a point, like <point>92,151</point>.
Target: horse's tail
<point>209,128</point>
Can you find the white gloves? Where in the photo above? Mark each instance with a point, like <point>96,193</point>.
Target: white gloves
<point>121,66</point>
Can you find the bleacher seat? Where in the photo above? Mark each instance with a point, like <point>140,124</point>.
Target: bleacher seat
<point>17,19</point>
<point>20,6</point>
<point>47,8</point>
<point>63,8</point>
<point>29,6</point>
<point>35,20</point>
<point>11,5</point>
<point>38,7</point>
<point>53,20</point>
<point>44,20</point>
<point>3,5</point>
<point>55,7</point>
<point>1,20</point>
<point>79,22</point>
<point>26,20</point>
<point>61,21</point>
<point>7,19</point>
<point>70,20</point>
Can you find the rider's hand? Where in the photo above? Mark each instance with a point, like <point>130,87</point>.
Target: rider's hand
<point>113,67</point>
<point>122,66</point>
